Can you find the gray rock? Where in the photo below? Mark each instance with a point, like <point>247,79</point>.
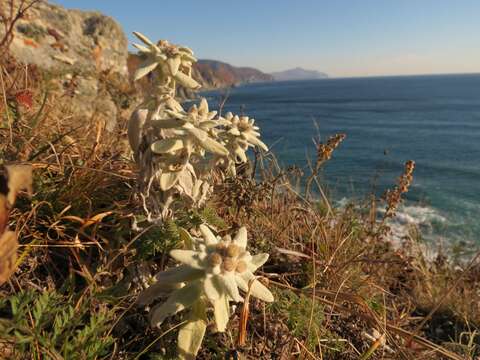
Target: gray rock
<point>93,41</point>
<point>66,42</point>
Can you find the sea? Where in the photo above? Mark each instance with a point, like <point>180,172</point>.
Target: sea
<point>433,120</point>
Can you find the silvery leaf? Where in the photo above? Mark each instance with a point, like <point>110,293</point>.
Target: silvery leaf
<point>178,274</point>
<point>180,299</point>
<point>147,41</point>
<point>240,238</point>
<point>186,49</point>
<point>234,132</point>
<point>177,114</point>
<point>208,124</point>
<point>168,179</point>
<point>256,141</point>
<point>199,134</point>
<point>154,291</point>
<point>230,286</point>
<point>185,182</point>
<point>221,313</point>
<point>168,123</point>
<point>186,81</point>
<point>210,238</point>
<point>174,104</point>
<point>145,68</point>
<point>211,115</point>
<point>203,107</point>
<point>187,58</point>
<point>142,48</point>
<point>240,153</point>
<point>167,145</point>
<point>257,261</point>
<point>257,289</point>
<point>159,57</point>
<point>135,126</point>
<point>188,257</point>
<point>214,147</point>
<point>212,287</point>
<point>173,65</point>
<point>191,335</point>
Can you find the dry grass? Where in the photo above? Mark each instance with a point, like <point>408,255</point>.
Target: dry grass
<point>338,282</point>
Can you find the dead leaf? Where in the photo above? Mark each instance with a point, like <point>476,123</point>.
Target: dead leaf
<point>292,253</point>
<point>19,178</point>
<point>3,213</point>
<point>96,218</point>
<point>90,221</point>
<point>8,255</point>
<point>55,34</point>
<point>97,56</point>
<point>64,59</point>
<point>25,98</point>
<point>30,42</point>
<point>242,330</point>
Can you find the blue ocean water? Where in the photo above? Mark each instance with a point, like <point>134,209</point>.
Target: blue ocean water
<point>434,120</point>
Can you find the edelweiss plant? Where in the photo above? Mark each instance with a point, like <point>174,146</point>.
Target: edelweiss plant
<point>239,134</point>
<point>174,62</point>
<point>176,150</point>
<point>212,271</point>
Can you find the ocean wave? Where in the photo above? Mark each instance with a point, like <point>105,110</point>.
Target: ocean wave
<point>418,215</point>
<point>424,218</point>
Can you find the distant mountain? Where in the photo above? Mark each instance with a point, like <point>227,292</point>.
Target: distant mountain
<point>216,74</point>
<point>298,74</point>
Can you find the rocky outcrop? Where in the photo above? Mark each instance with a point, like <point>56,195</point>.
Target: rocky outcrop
<point>73,44</point>
<point>54,37</point>
<point>216,74</point>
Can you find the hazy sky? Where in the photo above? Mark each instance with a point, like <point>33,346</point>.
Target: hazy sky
<point>340,37</point>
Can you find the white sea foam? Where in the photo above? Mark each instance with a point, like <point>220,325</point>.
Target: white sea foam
<point>408,217</point>
<point>418,215</point>
<point>422,218</point>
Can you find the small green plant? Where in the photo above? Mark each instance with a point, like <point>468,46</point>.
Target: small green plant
<point>304,316</point>
<point>160,239</point>
<point>49,326</point>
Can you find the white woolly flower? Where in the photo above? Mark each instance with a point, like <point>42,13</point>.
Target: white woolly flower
<point>171,60</point>
<point>181,135</point>
<point>238,135</point>
<point>136,123</point>
<point>213,269</point>
<point>192,131</point>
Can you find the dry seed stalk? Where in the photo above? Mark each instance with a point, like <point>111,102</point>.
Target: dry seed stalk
<point>394,197</point>
<point>324,153</point>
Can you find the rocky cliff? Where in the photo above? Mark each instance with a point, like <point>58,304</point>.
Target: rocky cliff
<point>215,74</point>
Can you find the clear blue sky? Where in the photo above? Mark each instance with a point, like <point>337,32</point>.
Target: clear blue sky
<point>340,37</point>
